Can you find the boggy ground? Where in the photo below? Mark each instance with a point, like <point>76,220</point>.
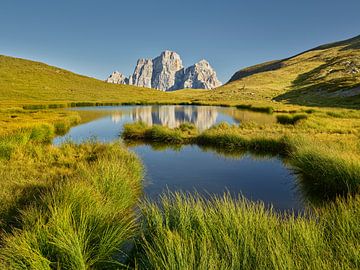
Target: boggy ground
<point>74,207</point>
<point>323,147</point>
<point>70,207</point>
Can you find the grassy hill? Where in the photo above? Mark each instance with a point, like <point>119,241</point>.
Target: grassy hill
<point>326,75</point>
<point>27,82</point>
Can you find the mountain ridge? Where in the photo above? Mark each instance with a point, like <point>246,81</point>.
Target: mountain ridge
<point>167,73</point>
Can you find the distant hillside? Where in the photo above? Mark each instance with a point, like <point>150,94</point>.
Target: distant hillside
<point>326,75</point>
<point>28,82</point>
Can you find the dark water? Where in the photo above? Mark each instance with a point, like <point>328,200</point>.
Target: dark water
<point>191,168</point>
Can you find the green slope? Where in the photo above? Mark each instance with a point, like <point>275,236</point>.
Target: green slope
<point>28,82</point>
<point>326,75</point>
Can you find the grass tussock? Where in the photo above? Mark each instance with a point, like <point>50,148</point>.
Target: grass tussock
<point>329,173</point>
<point>68,208</point>
<point>286,119</point>
<point>222,135</point>
<point>159,134</point>
<point>227,137</point>
<point>263,109</point>
<point>325,172</point>
<point>188,232</point>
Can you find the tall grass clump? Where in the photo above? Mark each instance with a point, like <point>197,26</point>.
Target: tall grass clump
<point>326,172</point>
<point>265,109</point>
<point>188,232</point>
<point>286,119</point>
<point>42,133</point>
<point>228,137</point>
<point>134,131</point>
<point>164,134</point>
<point>82,220</point>
<point>159,134</point>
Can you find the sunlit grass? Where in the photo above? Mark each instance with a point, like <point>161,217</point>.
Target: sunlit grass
<point>188,232</point>
<point>70,207</point>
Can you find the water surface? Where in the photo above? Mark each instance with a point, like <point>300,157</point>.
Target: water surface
<point>191,168</point>
<point>109,120</point>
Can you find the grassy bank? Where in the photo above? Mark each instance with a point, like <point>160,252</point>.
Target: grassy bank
<point>188,232</point>
<point>325,171</point>
<point>70,207</point>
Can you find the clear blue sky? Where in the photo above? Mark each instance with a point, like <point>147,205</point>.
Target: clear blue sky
<point>96,37</point>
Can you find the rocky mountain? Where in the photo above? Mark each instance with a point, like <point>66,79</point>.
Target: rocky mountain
<point>166,72</point>
<point>200,76</point>
<point>117,77</point>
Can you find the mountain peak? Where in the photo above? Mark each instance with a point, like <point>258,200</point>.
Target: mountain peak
<point>117,77</point>
<point>203,62</point>
<point>169,53</point>
<point>166,72</point>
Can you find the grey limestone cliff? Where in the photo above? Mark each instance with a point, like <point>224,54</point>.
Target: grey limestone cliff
<point>166,73</point>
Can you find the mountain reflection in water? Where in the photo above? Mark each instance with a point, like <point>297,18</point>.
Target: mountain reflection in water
<point>170,116</point>
<point>106,123</point>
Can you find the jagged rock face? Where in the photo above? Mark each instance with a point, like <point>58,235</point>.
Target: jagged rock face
<point>166,69</point>
<point>142,74</point>
<point>118,78</point>
<point>166,73</point>
<point>200,76</point>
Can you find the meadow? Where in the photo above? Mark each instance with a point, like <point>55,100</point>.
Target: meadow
<point>81,206</point>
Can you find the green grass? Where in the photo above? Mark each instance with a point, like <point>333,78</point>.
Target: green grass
<point>74,207</point>
<point>68,208</point>
<point>159,134</point>
<point>188,232</point>
<point>256,108</point>
<point>316,77</point>
<point>290,119</point>
<point>327,172</point>
<point>222,136</point>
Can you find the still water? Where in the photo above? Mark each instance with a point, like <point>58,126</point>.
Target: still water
<point>191,168</point>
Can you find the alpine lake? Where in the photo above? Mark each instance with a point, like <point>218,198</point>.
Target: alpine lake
<point>191,168</point>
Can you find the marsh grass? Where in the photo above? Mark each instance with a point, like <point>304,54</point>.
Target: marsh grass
<point>325,173</point>
<point>228,138</point>
<point>290,119</point>
<point>159,134</point>
<point>222,136</point>
<point>69,208</point>
<point>189,232</point>
<point>263,109</point>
